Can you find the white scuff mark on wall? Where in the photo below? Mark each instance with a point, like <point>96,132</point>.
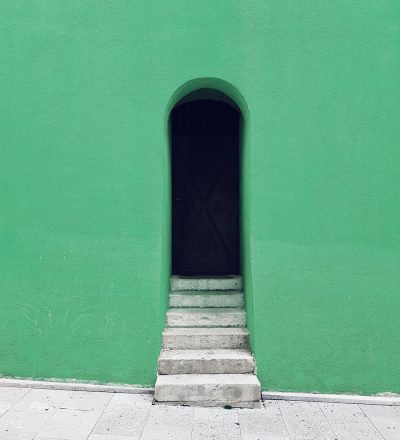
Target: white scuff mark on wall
<point>34,321</point>
<point>109,317</point>
<point>31,314</point>
<point>50,316</point>
<point>73,326</point>
<point>66,317</point>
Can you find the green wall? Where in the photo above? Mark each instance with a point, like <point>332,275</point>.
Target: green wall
<point>85,90</point>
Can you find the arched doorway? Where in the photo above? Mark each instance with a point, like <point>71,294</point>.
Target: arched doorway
<point>205,170</point>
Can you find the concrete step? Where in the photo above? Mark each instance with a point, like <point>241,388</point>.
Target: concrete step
<point>208,298</point>
<point>217,361</point>
<point>232,282</point>
<point>207,317</point>
<point>202,338</point>
<point>236,390</point>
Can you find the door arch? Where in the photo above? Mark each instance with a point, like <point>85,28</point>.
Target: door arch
<point>205,172</point>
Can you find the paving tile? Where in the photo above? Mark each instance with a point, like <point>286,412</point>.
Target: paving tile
<point>168,422</point>
<point>207,415</point>
<point>110,437</point>
<point>386,419</point>
<point>215,431</point>
<point>86,401</point>
<point>216,424</point>
<point>22,425</point>
<point>349,422</point>
<point>131,399</point>
<point>263,424</point>
<point>305,421</point>
<point>41,400</point>
<point>123,419</point>
<point>9,396</point>
<point>69,424</point>
<point>64,415</point>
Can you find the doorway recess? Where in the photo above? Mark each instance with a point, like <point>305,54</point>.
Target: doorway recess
<point>206,358</point>
<point>204,131</point>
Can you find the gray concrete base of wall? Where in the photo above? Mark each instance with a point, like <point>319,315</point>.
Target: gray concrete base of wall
<point>389,400</point>
<point>75,386</point>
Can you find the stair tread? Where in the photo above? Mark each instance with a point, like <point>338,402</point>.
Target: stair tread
<point>206,299</point>
<point>206,310</point>
<point>206,354</point>
<point>206,283</point>
<point>207,292</point>
<point>206,331</point>
<point>207,379</point>
<point>206,317</point>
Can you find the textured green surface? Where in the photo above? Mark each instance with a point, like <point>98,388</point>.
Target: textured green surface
<point>85,90</point>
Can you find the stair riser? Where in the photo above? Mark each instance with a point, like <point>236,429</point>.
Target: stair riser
<point>205,403</point>
<point>215,395</point>
<point>192,283</point>
<point>182,342</point>
<point>234,300</point>
<point>214,366</point>
<point>176,319</point>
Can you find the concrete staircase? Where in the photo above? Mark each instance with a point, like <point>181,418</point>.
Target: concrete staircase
<point>205,359</point>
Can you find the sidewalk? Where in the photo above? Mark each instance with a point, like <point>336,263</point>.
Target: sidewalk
<point>27,414</point>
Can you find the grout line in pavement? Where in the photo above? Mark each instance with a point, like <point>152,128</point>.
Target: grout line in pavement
<point>240,424</point>
<point>54,413</point>
<point>327,420</point>
<point>13,405</point>
<point>98,418</point>
<point>284,422</point>
<point>147,417</point>
<point>372,423</point>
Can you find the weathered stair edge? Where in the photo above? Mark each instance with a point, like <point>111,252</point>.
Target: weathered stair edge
<point>234,390</point>
<point>218,361</point>
<point>206,299</point>
<point>182,338</point>
<point>206,283</point>
<point>206,317</point>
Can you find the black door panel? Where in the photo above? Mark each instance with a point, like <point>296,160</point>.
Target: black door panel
<point>205,189</point>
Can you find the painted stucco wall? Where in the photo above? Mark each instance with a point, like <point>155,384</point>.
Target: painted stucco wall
<point>84,204</point>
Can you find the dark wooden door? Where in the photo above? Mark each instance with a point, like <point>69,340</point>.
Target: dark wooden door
<point>205,194</point>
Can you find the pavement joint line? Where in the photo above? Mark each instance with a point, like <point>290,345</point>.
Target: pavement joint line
<point>147,417</point>
<point>284,422</point>
<point>327,419</point>
<point>98,418</point>
<point>52,415</point>
<point>372,422</point>
<point>13,405</point>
